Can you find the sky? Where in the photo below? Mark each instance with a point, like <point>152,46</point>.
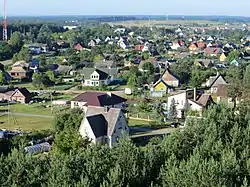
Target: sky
<point>127,7</point>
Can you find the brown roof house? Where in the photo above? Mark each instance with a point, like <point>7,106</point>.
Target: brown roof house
<point>213,51</point>
<point>20,95</point>
<point>20,70</point>
<point>200,103</point>
<point>204,63</point>
<point>100,99</point>
<point>103,125</point>
<point>170,79</point>
<point>214,81</point>
<point>222,95</point>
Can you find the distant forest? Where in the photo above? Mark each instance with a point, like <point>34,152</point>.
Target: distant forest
<point>112,18</point>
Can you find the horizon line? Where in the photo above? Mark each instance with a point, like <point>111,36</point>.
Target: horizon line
<point>105,15</point>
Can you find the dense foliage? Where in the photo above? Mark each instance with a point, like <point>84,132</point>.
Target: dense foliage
<point>213,151</point>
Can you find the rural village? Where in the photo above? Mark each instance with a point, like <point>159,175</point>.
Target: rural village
<point>136,96</point>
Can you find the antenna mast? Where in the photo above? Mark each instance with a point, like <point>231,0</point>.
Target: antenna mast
<point>5,36</point>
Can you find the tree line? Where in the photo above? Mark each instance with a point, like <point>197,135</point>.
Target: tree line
<point>209,151</point>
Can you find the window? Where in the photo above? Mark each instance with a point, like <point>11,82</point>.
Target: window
<point>92,83</point>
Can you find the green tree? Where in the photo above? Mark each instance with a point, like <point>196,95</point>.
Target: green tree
<point>149,68</point>
<point>68,120</point>
<point>233,55</point>
<point>42,60</point>
<point>37,80</point>
<point>132,82</point>
<point>22,55</point>
<point>51,76</point>
<point>172,112</point>
<point>16,41</point>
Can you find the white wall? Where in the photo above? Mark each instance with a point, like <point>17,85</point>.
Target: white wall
<point>181,103</point>
<point>121,128</point>
<point>86,131</point>
<point>173,83</point>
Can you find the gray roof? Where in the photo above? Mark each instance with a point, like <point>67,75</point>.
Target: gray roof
<point>110,71</point>
<point>64,69</point>
<point>105,64</point>
<point>102,120</point>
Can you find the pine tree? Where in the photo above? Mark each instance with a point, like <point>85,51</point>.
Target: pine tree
<point>172,113</point>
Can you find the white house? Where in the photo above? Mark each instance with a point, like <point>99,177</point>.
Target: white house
<point>97,78</point>
<point>92,43</point>
<point>190,99</point>
<point>104,125</point>
<point>124,44</point>
<point>120,30</point>
<point>175,46</point>
<point>210,39</point>
<point>145,48</point>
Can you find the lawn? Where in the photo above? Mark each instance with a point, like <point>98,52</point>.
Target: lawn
<point>25,123</point>
<point>139,123</point>
<point>59,87</point>
<point>28,109</point>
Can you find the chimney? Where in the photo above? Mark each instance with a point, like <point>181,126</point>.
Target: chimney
<point>106,109</point>
<point>195,94</point>
<point>109,94</point>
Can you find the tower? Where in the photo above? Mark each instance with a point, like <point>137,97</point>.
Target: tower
<point>5,36</point>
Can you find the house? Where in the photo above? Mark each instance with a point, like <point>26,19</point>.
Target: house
<point>20,95</point>
<point>20,70</point>
<point>195,46</point>
<point>170,79</point>
<point>103,125</point>
<point>78,47</point>
<point>201,103</point>
<point>162,86</point>
<point>222,95</point>
<point>112,72</point>
<point>151,60</point>
<point>105,64</point>
<point>38,48</point>
<point>175,46</point>
<point>214,81</point>
<point>120,30</point>
<point>96,78</point>
<point>92,43</point>
<point>123,43</point>
<point>223,57</point>
<point>213,51</point>
<point>139,47</point>
<point>99,99</point>
<point>210,39</point>
<point>234,63</point>
<point>204,63</point>
<point>182,98</point>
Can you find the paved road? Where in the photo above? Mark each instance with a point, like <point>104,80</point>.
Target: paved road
<point>28,115</point>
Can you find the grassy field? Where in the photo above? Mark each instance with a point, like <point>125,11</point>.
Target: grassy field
<point>29,86</point>
<point>25,123</point>
<point>39,109</point>
<point>139,123</point>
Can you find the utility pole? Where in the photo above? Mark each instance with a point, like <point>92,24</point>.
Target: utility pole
<point>5,34</point>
